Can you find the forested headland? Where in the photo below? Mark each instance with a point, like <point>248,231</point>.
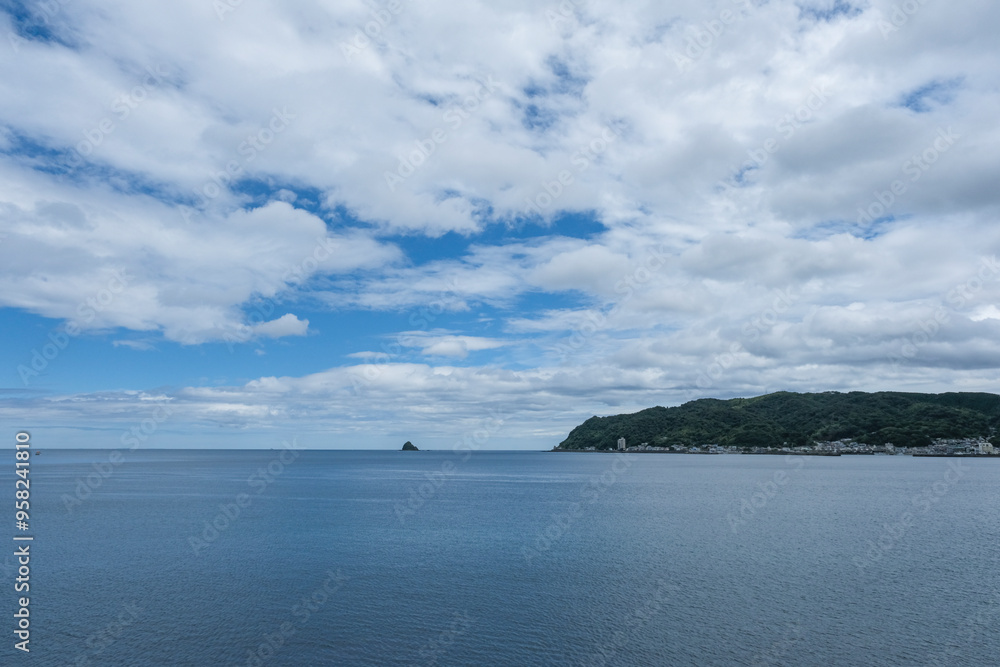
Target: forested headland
<point>799,420</point>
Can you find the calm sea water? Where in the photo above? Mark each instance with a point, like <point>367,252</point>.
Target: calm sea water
<point>395,558</point>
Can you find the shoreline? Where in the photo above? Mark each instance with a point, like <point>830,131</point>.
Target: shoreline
<point>776,453</point>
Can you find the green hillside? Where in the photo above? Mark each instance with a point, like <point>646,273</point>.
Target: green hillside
<point>904,419</point>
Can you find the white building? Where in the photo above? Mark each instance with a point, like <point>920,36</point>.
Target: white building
<point>621,444</point>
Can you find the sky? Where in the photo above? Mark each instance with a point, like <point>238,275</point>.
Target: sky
<point>238,223</point>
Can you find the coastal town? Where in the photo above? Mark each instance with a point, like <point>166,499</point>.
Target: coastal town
<point>938,447</point>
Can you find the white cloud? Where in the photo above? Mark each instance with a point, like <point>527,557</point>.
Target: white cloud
<point>286,325</point>
<point>444,345</point>
<point>101,260</point>
<point>585,268</point>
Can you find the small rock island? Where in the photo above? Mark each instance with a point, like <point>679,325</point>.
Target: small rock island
<point>409,447</point>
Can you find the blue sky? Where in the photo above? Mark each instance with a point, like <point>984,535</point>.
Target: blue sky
<point>355,226</point>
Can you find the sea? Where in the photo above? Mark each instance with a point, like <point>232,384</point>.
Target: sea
<point>300,558</point>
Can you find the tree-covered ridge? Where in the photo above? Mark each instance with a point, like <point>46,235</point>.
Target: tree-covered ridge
<point>903,419</point>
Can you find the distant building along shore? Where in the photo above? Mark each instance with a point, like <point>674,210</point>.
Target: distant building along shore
<point>939,447</point>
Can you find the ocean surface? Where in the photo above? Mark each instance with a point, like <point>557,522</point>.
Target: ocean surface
<point>509,558</point>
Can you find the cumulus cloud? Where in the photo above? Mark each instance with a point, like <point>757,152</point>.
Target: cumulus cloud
<point>136,264</point>
<point>286,325</point>
<point>445,345</point>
